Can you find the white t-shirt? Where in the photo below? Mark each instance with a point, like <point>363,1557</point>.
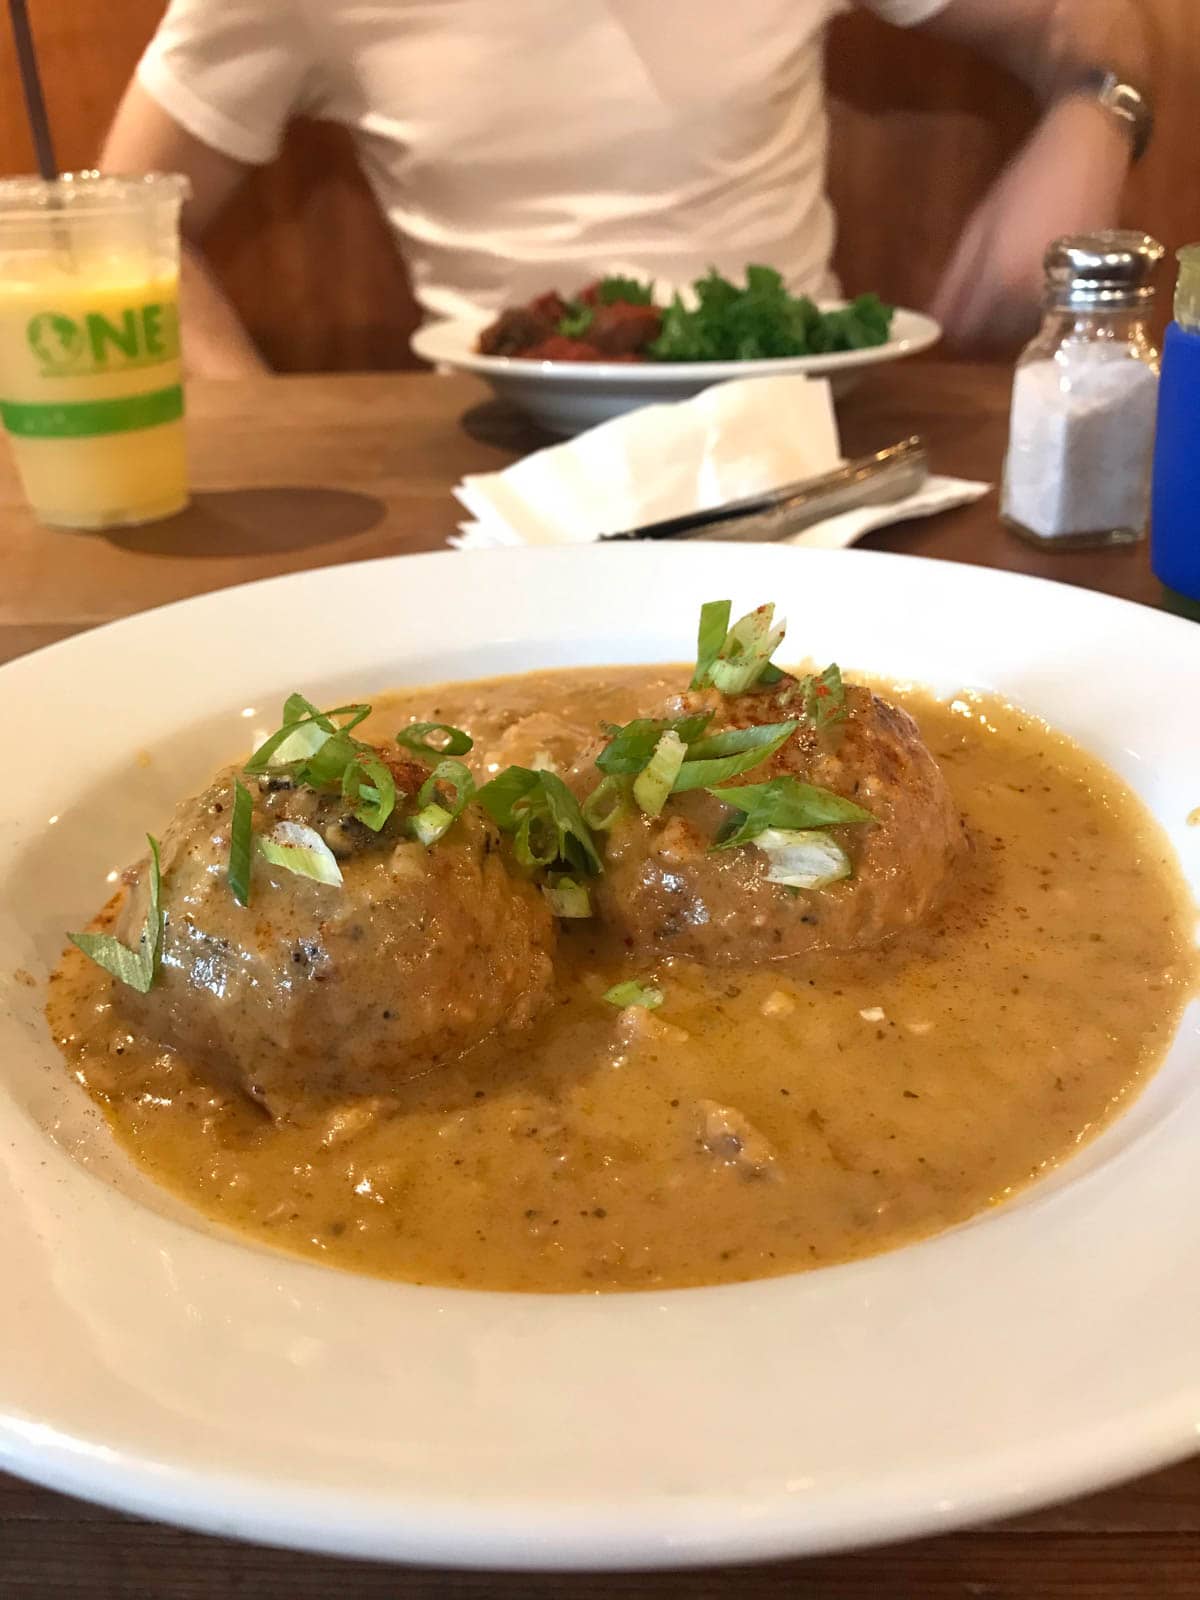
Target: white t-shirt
<point>518,145</point>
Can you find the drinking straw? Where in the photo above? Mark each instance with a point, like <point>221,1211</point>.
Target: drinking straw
<point>31,83</point>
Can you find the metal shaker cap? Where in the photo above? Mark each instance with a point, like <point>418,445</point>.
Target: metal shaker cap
<point>1109,271</point>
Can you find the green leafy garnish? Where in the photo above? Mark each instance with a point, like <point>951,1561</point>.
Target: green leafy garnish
<point>727,755</point>
<point>300,849</point>
<point>630,747</point>
<point>616,288</point>
<point>416,737</point>
<point>762,320</point>
<point>241,842</point>
<point>782,803</point>
<point>544,818</point>
<point>741,658</point>
<point>138,967</point>
<point>633,993</point>
<point>655,782</point>
<point>576,320</point>
<point>803,858</point>
<point>435,814</point>
<point>567,897</point>
<point>369,787</point>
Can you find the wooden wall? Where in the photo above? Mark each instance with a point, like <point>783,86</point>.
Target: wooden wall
<point>918,130</point>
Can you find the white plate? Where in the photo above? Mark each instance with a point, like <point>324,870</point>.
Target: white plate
<point>149,1360</point>
<point>568,396</point>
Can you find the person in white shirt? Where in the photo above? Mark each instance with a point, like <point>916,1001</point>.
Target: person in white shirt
<point>520,144</point>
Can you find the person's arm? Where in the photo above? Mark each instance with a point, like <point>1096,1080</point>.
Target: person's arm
<point>144,138</point>
<point>1069,175</point>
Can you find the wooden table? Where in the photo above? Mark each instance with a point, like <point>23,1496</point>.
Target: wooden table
<point>301,472</point>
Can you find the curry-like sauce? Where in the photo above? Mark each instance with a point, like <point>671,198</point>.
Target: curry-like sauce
<point>760,1122</point>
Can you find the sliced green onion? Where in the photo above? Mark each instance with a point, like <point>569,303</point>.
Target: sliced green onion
<point>714,625</point>
<point>430,823</point>
<point>434,818</point>
<point>415,737</point>
<point>576,845</point>
<point>300,849</point>
<point>783,803</point>
<point>368,783</point>
<point>544,817</point>
<point>607,804</point>
<point>747,651</point>
<point>803,858</point>
<point>303,732</point>
<point>138,967</point>
<point>651,787</point>
<point>631,746</point>
<point>633,993</point>
<point>327,767</point>
<point>567,897</point>
<point>824,697</point>
<point>241,841</point>
<point>729,754</point>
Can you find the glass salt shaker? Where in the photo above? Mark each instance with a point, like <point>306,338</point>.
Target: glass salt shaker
<point>1085,393</point>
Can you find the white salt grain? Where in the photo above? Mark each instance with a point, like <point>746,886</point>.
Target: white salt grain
<point>1081,441</point>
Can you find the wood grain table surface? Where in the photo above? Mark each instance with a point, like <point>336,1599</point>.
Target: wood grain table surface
<point>299,472</point>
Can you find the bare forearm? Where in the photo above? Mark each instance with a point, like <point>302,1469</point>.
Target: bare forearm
<point>215,344</point>
<point>1052,44</point>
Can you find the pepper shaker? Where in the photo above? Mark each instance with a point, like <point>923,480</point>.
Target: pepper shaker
<point>1085,395</point>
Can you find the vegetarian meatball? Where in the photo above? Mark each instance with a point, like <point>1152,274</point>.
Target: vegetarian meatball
<point>667,892</point>
<point>323,988</point>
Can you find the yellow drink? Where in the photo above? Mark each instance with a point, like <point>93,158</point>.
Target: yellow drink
<point>90,379</point>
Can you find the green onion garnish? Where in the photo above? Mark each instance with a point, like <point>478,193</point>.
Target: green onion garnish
<point>452,741</point>
<point>824,696</point>
<point>241,840</point>
<point>630,747</point>
<point>651,787</point>
<point>304,731</point>
<point>714,625</point>
<point>783,803</point>
<point>300,849</point>
<point>567,896</point>
<point>803,858</point>
<point>138,967</point>
<point>727,755</point>
<point>633,993</point>
<point>434,818</point>
<point>368,785</point>
<point>607,804</point>
<point>741,659</point>
<point>543,816</point>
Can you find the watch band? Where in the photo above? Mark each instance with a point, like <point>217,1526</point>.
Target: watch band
<point>1123,100</point>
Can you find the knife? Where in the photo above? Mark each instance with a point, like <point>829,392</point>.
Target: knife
<point>880,479</point>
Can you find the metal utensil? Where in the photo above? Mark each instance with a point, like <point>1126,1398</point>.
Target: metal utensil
<point>880,479</point>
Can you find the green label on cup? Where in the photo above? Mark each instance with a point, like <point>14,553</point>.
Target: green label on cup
<point>85,418</point>
<point>97,341</point>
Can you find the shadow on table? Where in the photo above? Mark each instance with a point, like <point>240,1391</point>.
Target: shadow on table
<point>492,422</point>
<point>243,522</point>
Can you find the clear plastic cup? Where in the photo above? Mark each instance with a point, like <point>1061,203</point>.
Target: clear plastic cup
<point>91,392</point>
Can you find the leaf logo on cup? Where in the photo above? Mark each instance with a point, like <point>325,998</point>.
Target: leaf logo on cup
<point>56,341</point>
<point>137,336</point>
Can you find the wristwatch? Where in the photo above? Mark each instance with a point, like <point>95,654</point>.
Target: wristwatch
<point>1123,100</point>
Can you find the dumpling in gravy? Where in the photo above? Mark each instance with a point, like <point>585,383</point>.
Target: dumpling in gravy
<point>667,892</point>
<point>316,988</point>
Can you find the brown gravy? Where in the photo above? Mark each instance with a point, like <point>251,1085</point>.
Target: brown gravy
<point>876,1097</point>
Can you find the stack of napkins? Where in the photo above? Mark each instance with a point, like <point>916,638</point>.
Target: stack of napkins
<point>732,440</point>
